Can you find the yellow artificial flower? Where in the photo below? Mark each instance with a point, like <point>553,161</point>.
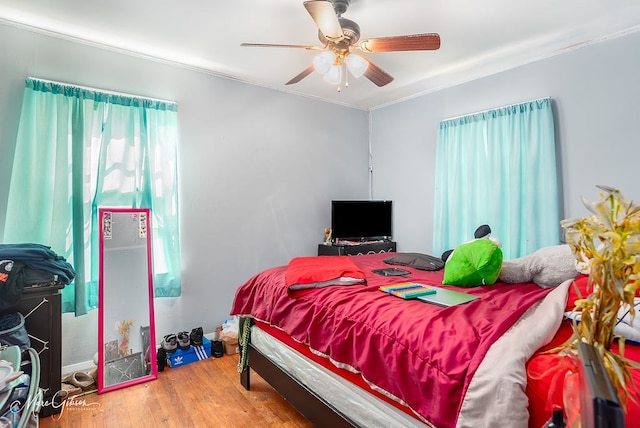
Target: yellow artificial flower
<point>607,243</point>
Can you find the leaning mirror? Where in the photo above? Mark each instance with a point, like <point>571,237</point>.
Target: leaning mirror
<point>126,329</point>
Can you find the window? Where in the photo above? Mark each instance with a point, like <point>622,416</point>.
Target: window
<point>498,167</point>
<point>78,149</point>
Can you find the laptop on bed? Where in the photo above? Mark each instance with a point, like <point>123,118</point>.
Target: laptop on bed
<point>445,297</point>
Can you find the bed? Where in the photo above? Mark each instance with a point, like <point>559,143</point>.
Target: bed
<point>351,355</point>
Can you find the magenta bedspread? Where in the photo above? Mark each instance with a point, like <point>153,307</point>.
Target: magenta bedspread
<point>421,354</point>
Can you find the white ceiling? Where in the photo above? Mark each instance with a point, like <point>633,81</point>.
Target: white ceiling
<point>479,37</point>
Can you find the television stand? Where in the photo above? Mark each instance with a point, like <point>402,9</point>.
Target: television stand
<point>358,249</point>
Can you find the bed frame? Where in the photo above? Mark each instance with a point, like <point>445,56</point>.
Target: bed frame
<point>320,413</point>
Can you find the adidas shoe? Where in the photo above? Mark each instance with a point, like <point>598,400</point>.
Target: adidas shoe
<point>183,340</point>
<point>196,336</point>
<point>169,343</point>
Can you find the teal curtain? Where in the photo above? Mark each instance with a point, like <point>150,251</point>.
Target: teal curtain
<point>78,149</point>
<point>498,167</point>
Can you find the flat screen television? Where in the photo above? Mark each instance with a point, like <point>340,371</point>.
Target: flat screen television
<point>361,220</point>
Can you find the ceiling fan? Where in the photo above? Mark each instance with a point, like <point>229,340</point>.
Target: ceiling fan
<point>339,36</point>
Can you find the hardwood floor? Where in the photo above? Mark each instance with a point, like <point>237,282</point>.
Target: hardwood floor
<point>201,394</point>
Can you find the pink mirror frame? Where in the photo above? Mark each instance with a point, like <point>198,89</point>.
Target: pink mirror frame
<point>125,268</point>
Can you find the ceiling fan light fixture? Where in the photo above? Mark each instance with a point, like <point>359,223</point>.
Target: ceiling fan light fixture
<point>357,65</point>
<point>334,75</point>
<point>324,61</point>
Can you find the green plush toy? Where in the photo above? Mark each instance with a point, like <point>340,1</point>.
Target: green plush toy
<point>474,263</point>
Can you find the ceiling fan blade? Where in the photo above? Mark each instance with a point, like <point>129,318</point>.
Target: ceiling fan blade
<point>325,18</point>
<point>377,75</point>
<point>271,45</point>
<point>307,71</point>
<point>414,42</point>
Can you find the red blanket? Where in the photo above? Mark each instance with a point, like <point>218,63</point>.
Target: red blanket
<point>424,355</point>
<point>545,371</point>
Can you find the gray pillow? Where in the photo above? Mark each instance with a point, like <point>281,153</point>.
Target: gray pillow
<point>416,260</point>
<point>548,267</point>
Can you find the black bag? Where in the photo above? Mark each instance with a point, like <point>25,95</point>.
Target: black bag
<point>217,348</point>
<point>13,331</point>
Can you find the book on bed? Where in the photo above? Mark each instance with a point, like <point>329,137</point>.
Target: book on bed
<point>446,298</point>
<point>407,290</point>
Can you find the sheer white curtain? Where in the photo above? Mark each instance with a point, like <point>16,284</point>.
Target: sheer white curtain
<point>498,167</point>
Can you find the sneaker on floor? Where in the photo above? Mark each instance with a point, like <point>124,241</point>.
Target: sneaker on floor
<point>68,390</point>
<point>183,340</point>
<point>196,336</point>
<point>170,342</point>
<point>81,380</point>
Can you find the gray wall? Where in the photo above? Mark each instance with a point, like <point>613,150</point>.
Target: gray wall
<point>595,92</point>
<point>257,170</point>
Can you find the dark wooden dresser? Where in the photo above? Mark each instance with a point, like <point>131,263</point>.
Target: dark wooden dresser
<point>42,310</point>
<point>356,250</point>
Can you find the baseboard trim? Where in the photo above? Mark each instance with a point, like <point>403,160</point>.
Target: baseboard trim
<point>83,366</point>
